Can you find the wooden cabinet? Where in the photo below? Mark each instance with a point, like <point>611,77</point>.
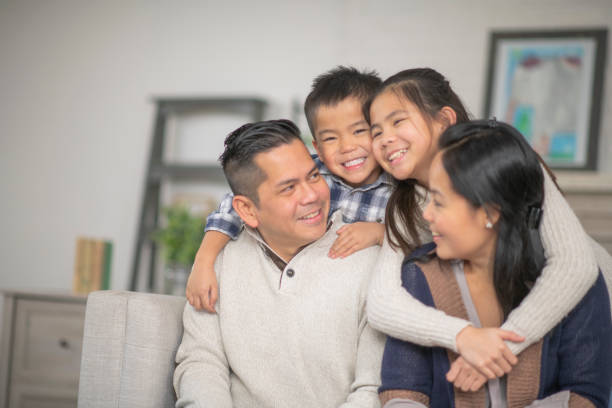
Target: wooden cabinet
<point>590,196</point>
<point>42,337</point>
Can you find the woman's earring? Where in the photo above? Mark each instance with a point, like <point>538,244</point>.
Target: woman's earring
<point>488,225</point>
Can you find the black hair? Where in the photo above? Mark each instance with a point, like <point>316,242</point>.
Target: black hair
<point>491,165</point>
<point>429,91</point>
<point>336,85</point>
<point>241,147</point>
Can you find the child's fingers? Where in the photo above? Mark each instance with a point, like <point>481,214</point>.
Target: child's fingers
<point>503,363</point>
<point>214,295</point>
<point>496,368</point>
<point>509,357</point>
<point>511,336</point>
<point>350,250</point>
<point>486,371</point>
<point>205,299</point>
<point>339,245</point>
<point>196,303</point>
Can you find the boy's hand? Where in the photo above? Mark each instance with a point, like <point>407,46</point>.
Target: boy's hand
<point>464,376</point>
<point>202,288</point>
<point>485,350</point>
<point>355,237</point>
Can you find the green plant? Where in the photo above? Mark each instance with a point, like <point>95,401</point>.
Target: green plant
<point>181,236</point>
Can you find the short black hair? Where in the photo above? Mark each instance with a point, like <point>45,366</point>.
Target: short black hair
<point>336,85</point>
<point>241,147</point>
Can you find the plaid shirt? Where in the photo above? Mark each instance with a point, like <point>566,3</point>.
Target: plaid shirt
<point>366,203</point>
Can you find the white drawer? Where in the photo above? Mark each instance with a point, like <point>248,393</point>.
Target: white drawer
<point>47,342</point>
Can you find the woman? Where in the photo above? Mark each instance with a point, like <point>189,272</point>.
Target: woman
<point>487,191</point>
<point>407,117</point>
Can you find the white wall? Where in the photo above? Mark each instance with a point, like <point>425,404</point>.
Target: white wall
<point>77,78</point>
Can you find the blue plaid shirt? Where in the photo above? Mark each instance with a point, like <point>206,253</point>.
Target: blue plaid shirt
<point>366,203</point>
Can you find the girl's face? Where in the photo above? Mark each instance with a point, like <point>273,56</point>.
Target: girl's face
<point>458,228</point>
<point>403,143</point>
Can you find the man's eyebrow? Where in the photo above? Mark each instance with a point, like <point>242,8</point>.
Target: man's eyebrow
<point>295,180</point>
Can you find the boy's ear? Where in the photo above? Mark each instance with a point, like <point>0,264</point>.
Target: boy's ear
<point>316,146</point>
<point>246,209</point>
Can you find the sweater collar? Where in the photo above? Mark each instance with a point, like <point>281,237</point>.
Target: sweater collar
<point>334,223</point>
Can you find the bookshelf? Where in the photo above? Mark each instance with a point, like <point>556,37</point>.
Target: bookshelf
<point>187,139</point>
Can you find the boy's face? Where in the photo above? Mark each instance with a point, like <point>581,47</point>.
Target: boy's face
<point>342,140</point>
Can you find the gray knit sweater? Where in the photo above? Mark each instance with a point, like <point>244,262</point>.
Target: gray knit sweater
<point>292,338</point>
<point>570,271</point>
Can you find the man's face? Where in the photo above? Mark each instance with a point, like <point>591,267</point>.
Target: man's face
<point>293,199</point>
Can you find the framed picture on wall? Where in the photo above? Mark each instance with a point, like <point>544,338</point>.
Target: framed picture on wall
<point>549,84</point>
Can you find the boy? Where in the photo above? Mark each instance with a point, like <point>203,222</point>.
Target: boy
<point>357,184</point>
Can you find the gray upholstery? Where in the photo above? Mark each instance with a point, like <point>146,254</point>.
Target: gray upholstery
<point>130,340</point>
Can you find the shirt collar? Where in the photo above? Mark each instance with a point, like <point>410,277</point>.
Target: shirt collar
<point>333,222</point>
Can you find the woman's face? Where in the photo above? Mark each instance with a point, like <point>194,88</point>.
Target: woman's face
<point>403,143</point>
<point>458,228</point>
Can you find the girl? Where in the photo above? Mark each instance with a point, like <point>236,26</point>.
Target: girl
<point>487,191</point>
<point>407,116</point>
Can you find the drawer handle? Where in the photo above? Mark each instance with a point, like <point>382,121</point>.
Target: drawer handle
<point>63,343</point>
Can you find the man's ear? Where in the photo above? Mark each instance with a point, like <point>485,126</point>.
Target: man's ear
<point>246,209</point>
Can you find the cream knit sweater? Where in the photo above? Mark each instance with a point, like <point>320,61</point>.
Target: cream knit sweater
<point>570,271</point>
<point>293,338</point>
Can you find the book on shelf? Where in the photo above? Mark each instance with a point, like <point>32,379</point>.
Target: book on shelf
<point>92,265</point>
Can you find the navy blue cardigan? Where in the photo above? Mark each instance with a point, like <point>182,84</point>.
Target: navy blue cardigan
<point>576,354</point>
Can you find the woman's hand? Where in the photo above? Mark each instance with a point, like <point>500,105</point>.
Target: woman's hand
<point>485,350</point>
<point>464,376</point>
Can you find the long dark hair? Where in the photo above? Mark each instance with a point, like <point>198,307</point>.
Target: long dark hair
<point>491,165</point>
<point>429,91</point>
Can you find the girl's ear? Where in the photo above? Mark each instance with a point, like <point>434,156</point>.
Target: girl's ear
<point>447,116</point>
<point>246,209</point>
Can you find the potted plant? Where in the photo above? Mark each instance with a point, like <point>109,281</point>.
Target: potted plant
<point>179,240</point>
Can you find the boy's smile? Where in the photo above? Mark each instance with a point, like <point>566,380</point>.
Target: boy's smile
<point>342,141</point>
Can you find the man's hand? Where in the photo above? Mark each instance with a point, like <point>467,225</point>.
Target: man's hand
<point>355,237</point>
<point>485,350</point>
<point>464,376</point>
<point>202,288</point>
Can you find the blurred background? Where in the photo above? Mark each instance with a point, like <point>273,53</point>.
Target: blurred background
<point>79,80</point>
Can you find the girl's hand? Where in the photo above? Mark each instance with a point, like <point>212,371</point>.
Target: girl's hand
<point>355,237</point>
<point>485,350</point>
<point>464,376</point>
<point>202,288</point>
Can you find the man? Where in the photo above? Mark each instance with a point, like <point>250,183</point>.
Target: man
<point>290,328</point>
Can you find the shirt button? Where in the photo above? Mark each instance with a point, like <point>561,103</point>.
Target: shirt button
<point>290,273</point>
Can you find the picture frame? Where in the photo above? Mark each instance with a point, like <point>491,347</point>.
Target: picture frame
<point>549,85</point>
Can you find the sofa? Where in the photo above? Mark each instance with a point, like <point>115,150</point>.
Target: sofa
<point>129,343</point>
